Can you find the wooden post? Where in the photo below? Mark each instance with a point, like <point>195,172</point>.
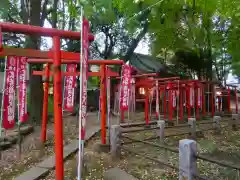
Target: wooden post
<point>58,125</point>
<point>203,101</point>
<point>161,125</point>
<point>45,105</point>
<point>216,123</point>
<point>192,123</point>
<point>164,103</point>
<point>236,99</point>
<point>181,104</point>
<point>229,100</point>
<point>115,140</point>
<point>187,159</point>
<point>147,107</point>
<point>103,103</point>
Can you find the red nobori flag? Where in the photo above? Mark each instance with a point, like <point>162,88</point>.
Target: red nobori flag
<point>84,77</point>
<point>69,88</point>
<point>22,89</point>
<point>174,99</point>
<point>9,92</point>
<point>125,86</point>
<point>191,96</point>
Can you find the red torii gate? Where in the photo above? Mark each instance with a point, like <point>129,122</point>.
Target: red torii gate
<point>147,84</point>
<point>47,73</point>
<point>57,57</point>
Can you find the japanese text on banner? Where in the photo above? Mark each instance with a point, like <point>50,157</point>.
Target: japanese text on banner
<point>22,89</point>
<point>199,97</point>
<point>69,88</point>
<point>9,91</point>
<point>125,86</point>
<point>191,94</point>
<point>174,99</point>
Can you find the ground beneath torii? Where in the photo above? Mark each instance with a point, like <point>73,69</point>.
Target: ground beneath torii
<point>223,147</point>
<point>11,166</point>
<point>33,152</point>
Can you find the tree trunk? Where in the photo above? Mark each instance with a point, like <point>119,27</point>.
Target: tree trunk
<point>36,87</point>
<point>209,51</point>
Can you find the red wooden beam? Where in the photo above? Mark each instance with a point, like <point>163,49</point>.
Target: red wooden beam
<point>109,73</point>
<point>41,31</point>
<point>142,75</point>
<point>157,79</point>
<point>37,56</point>
<point>69,61</point>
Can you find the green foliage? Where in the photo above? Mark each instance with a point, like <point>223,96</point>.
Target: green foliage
<point>94,81</point>
<point>170,25</point>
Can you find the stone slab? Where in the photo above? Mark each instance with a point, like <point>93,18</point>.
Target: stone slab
<point>43,168</point>
<point>117,174</point>
<point>48,163</point>
<point>33,173</point>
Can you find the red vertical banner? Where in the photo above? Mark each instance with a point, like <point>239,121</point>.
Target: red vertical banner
<point>165,103</point>
<point>108,100</point>
<point>174,99</point>
<point>22,89</point>
<point>69,88</point>
<point>8,104</point>
<point>199,98</point>
<point>191,97</point>
<point>170,101</point>
<point>181,103</point>
<point>229,99</point>
<point>157,100</point>
<point>84,77</point>
<point>125,87</point>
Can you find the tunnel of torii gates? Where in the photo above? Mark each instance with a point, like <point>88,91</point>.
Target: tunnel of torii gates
<point>174,85</point>
<point>57,57</point>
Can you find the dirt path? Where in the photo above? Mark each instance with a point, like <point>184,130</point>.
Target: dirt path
<point>33,152</point>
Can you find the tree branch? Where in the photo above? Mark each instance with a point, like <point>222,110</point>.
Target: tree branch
<point>135,42</point>
<point>24,13</point>
<point>54,14</point>
<point>44,13</point>
<point>11,19</point>
<point>97,49</point>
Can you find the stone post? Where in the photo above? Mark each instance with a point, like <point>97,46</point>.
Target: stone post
<point>187,159</point>
<point>192,123</point>
<point>115,140</point>
<point>216,123</point>
<point>234,121</point>
<point>160,132</point>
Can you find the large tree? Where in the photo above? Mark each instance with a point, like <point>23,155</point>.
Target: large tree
<point>33,12</point>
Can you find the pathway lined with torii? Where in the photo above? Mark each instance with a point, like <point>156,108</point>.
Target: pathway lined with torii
<point>92,127</point>
<point>43,168</point>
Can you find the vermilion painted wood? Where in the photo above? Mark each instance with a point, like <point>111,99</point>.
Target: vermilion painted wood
<point>41,31</point>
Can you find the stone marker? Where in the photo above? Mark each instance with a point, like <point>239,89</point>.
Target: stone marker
<point>117,174</point>
<point>115,140</point>
<point>216,123</point>
<point>234,121</point>
<point>187,159</point>
<point>192,123</point>
<point>160,132</point>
